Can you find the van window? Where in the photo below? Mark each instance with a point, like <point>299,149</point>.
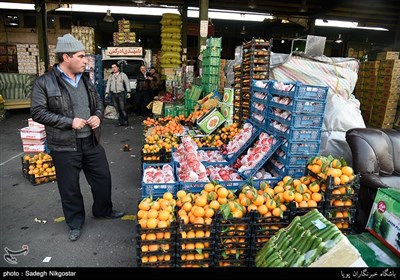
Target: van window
<point>129,67</point>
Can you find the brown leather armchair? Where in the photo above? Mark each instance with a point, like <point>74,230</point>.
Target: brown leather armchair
<point>376,156</point>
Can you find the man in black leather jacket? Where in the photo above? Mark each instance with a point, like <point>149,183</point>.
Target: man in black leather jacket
<point>66,102</point>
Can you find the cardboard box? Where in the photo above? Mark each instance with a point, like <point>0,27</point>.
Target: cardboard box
<point>387,55</point>
<point>389,79</point>
<point>227,111</point>
<point>31,148</point>
<point>210,121</point>
<point>370,64</point>
<point>32,123</point>
<point>384,219</point>
<point>228,96</point>
<point>389,64</point>
<point>32,133</point>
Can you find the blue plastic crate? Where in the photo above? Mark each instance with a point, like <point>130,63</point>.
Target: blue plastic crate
<point>193,187</point>
<point>298,90</point>
<point>158,189</point>
<point>299,134</point>
<point>293,171</point>
<point>300,120</point>
<point>259,124</point>
<point>250,172</point>
<point>255,133</point>
<point>294,160</point>
<point>308,147</point>
<point>258,88</point>
<point>298,106</point>
<point>257,111</point>
<point>312,92</point>
<point>271,181</point>
<point>212,163</point>
<point>260,100</point>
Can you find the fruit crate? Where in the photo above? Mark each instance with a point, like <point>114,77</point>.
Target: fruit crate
<point>301,148</point>
<point>299,90</point>
<point>292,160</point>
<point>153,252</point>
<point>299,106</point>
<point>263,228</point>
<point>197,257</point>
<point>159,157</point>
<point>300,211</point>
<point>298,134</point>
<point>249,173</point>
<point>257,183</point>
<point>162,259</point>
<point>255,132</point>
<point>234,255</point>
<point>190,240</point>
<point>158,189</point>
<point>332,215</point>
<point>299,120</point>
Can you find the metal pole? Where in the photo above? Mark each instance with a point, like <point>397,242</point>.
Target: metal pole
<point>204,4</point>
<point>41,23</point>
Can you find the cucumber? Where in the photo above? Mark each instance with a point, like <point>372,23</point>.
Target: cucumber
<point>294,257</point>
<point>271,258</point>
<point>299,262</point>
<point>336,237</point>
<point>310,216</point>
<point>307,244</point>
<point>315,244</point>
<point>283,245</point>
<point>295,242</point>
<point>263,255</point>
<point>316,254</point>
<point>328,231</point>
<point>296,228</point>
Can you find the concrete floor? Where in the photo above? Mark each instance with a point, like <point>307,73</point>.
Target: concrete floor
<point>104,243</point>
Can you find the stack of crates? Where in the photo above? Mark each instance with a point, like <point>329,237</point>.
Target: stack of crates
<point>155,247</point>
<point>366,87</point>
<point>262,229</point>
<point>340,203</point>
<point>295,113</point>
<point>233,241</point>
<point>386,99</point>
<point>211,65</point>
<point>195,245</point>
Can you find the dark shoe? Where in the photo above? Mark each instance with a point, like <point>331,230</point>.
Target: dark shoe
<point>74,234</point>
<point>114,215</point>
<point>118,124</point>
<point>126,124</point>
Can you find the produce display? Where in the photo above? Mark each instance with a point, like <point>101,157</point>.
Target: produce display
<point>301,243</point>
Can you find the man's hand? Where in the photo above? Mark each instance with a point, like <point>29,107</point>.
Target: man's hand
<point>128,95</point>
<point>106,95</point>
<point>78,123</point>
<point>93,122</point>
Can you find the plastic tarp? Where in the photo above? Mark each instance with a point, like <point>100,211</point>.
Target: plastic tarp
<point>342,111</point>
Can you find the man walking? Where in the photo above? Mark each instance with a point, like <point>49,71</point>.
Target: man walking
<point>66,102</point>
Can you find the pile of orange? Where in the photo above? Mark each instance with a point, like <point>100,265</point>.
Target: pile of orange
<point>154,218</point>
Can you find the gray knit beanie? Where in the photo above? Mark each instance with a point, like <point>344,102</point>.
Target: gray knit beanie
<point>68,44</point>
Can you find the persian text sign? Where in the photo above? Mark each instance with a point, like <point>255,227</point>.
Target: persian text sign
<point>124,51</point>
